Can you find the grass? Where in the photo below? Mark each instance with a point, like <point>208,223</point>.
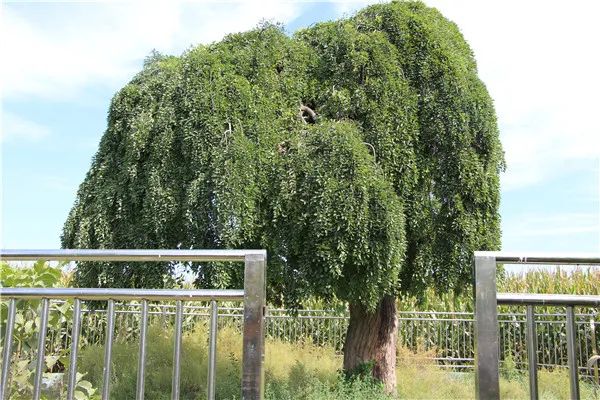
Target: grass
<point>294,371</point>
<point>418,379</point>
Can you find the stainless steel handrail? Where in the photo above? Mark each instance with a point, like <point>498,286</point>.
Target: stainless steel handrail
<point>123,294</point>
<point>128,255</point>
<point>547,299</point>
<point>253,295</point>
<point>503,257</point>
<point>486,318</point>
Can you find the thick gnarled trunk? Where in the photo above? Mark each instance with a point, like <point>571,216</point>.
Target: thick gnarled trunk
<point>371,338</point>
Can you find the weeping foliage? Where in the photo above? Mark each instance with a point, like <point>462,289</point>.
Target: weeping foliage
<point>388,191</point>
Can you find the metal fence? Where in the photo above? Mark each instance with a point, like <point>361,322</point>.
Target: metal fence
<point>253,296</point>
<point>487,336</point>
<point>561,337</point>
<point>447,336</point>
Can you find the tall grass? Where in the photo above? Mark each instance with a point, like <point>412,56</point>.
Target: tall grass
<point>293,371</point>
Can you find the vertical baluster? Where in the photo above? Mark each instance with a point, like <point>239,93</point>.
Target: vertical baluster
<point>7,350</point>
<point>594,348</point>
<point>212,350</point>
<point>142,352</point>
<point>75,332</point>
<point>572,353</point>
<point>546,353</point>
<point>532,353</point>
<point>515,342</point>
<point>558,344</point>
<point>41,348</point>
<point>110,328</point>
<point>177,350</point>
<point>40,361</point>
<point>584,346</point>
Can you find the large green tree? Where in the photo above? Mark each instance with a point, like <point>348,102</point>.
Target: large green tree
<point>363,154</point>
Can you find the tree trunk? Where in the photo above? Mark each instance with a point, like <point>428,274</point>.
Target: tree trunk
<point>371,338</point>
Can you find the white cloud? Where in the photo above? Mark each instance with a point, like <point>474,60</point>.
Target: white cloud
<point>103,43</point>
<point>15,128</point>
<point>537,58</point>
<point>539,62</point>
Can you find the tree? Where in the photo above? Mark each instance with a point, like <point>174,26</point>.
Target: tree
<point>363,154</point>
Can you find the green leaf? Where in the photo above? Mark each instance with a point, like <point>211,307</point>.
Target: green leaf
<point>51,360</point>
<point>87,386</point>
<point>79,395</point>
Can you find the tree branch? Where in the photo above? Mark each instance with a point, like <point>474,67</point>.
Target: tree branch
<point>311,116</point>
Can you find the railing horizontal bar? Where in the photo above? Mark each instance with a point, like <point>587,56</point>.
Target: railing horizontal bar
<point>203,312</point>
<point>541,258</point>
<point>282,313</point>
<point>127,255</point>
<point>431,313</point>
<point>548,299</point>
<point>123,294</point>
<point>440,320</point>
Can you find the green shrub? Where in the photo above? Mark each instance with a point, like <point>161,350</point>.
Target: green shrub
<point>26,328</point>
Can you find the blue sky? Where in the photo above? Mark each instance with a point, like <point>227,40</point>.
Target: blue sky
<point>63,61</point>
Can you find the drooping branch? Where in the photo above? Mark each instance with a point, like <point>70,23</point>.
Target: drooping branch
<point>372,148</point>
<point>307,114</point>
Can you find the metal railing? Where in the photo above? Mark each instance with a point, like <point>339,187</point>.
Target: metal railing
<point>253,295</point>
<point>487,380</point>
<point>447,337</point>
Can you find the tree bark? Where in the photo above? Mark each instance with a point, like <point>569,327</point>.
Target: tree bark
<point>371,338</point>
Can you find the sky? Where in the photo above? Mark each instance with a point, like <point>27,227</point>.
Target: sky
<point>63,61</point>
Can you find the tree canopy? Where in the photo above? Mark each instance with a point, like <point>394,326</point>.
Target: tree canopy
<point>388,189</point>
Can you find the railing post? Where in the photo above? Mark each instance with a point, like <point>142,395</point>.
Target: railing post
<point>254,321</point>
<point>486,329</point>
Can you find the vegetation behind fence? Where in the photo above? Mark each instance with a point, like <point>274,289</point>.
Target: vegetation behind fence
<point>445,329</point>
